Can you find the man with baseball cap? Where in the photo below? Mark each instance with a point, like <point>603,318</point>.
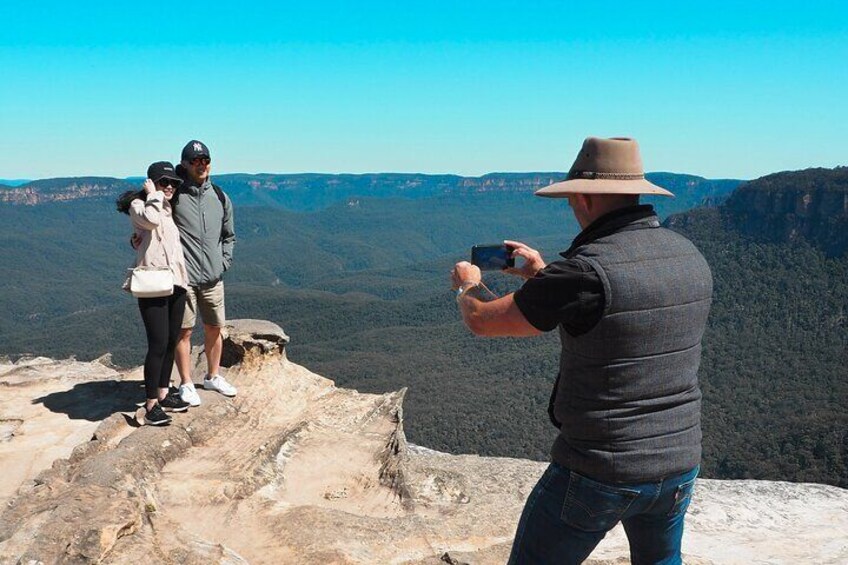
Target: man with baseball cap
<point>630,300</point>
<point>204,216</point>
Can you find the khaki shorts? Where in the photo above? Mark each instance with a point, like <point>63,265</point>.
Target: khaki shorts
<point>210,301</point>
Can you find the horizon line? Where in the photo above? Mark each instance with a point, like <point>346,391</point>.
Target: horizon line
<point>22,181</point>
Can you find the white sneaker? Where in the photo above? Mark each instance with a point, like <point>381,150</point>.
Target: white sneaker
<point>189,394</point>
<point>219,383</point>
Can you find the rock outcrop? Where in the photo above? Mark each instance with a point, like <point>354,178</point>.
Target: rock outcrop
<point>296,470</point>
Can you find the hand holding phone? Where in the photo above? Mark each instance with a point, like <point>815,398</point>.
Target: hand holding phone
<point>492,257</point>
<point>533,261</point>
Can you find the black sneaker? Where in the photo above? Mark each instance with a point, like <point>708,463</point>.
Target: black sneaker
<point>156,416</point>
<point>173,403</point>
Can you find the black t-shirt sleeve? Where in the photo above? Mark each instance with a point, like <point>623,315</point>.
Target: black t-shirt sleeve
<point>567,292</point>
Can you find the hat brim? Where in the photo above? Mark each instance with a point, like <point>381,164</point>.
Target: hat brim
<point>193,156</point>
<point>177,180</point>
<point>601,186</point>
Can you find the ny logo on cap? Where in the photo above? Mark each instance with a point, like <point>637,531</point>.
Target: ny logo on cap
<point>198,147</point>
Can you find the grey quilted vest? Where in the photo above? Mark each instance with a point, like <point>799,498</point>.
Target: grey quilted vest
<point>627,398</point>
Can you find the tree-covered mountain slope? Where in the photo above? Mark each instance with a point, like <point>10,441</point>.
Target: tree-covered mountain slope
<point>362,288</point>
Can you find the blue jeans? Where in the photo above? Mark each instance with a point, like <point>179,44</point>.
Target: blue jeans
<point>567,515</point>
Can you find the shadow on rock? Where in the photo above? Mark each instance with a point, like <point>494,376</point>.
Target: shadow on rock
<point>96,400</point>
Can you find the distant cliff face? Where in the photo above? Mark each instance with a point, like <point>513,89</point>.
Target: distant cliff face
<point>313,191</point>
<point>784,207</point>
<point>63,189</point>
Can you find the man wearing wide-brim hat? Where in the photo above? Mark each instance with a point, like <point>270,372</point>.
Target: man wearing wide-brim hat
<point>630,300</point>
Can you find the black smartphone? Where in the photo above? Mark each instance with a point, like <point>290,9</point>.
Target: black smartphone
<point>494,257</point>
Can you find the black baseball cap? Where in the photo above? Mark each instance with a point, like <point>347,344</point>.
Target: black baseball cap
<point>194,149</point>
<point>163,170</point>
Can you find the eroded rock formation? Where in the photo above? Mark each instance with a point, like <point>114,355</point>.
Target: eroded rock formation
<point>296,470</point>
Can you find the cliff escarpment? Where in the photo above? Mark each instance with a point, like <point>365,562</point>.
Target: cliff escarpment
<point>63,190</point>
<point>314,191</point>
<point>296,470</point>
<point>790,207</point>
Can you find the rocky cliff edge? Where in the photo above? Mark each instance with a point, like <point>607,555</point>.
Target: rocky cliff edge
<point>296,470</point>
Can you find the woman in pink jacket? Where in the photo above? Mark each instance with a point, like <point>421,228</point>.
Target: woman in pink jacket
<point>150,213</point>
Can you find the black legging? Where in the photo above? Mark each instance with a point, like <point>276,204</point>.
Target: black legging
<point>163,317</point>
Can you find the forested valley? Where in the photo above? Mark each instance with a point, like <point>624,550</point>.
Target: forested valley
<point>361,285</point>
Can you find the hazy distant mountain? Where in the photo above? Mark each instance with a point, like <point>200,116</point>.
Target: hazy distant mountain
<point>315,191</point>
<point>4,183</point>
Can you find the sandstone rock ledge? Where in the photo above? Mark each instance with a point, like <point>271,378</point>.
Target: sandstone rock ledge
<point>295,470</point>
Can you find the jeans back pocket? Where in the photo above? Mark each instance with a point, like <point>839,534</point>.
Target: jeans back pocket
<point>594,507</point>
<point>682,498</point>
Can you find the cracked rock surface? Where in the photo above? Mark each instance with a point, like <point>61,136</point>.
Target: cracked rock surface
<point>296,470</point>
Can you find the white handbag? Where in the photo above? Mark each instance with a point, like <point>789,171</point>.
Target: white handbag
<point>151,282</point>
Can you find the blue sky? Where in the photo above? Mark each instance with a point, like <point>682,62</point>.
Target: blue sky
<point>716,89</point>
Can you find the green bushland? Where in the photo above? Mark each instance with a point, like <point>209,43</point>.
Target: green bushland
<point>362,287</point>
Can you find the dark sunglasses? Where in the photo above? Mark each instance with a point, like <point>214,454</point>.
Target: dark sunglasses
<point>165,183</point>
<point>199,160</point>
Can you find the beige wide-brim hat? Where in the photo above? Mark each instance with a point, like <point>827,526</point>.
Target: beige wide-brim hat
<point>605,166</point>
